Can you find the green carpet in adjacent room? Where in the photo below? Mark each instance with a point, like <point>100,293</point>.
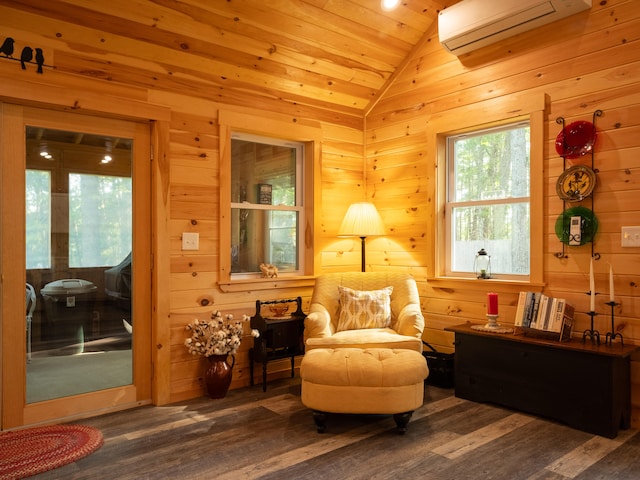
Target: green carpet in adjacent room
<point>51,377</point>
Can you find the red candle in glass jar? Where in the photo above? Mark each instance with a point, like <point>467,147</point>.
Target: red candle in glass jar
<point>492,304</point>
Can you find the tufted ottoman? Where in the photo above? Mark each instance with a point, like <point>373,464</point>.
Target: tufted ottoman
<point>363,380</point>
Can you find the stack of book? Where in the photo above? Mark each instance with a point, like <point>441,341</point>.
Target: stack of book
<point>538,312</point>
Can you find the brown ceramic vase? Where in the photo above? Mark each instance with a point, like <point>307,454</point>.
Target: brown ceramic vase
<point>217,376</point>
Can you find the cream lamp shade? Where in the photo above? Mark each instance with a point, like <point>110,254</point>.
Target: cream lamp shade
<point>361,220</point>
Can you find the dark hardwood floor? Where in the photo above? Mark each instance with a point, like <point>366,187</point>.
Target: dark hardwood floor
<point>255,435</point>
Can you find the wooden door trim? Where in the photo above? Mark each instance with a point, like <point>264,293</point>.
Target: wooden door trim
<point>15,411</point>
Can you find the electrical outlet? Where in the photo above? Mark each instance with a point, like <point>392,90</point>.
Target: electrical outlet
<point>630,237</point>
<point>190,241</point>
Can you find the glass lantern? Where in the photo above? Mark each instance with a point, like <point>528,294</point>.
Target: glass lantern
<point>482,265</point>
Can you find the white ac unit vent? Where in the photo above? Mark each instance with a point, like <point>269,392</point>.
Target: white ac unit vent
<point>471,24</point>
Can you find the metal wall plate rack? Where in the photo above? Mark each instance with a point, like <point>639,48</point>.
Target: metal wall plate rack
<point>561,121</point>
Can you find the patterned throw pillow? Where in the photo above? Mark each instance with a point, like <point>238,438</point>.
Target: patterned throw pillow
<point>364,309</point>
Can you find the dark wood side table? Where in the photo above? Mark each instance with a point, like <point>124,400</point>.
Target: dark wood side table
<point>585,385</point>
<point>280,336</point>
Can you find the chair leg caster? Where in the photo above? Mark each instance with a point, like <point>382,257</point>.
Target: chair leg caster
<point>320,418</point>
<point>402,420</point>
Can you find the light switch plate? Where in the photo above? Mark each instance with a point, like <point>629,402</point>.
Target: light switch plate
<point>630,237</point>
<point>190,241</point>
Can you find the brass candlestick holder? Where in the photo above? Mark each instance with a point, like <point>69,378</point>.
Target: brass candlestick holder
<point>612,335</point>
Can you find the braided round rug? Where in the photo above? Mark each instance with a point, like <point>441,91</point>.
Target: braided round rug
<point>35,450</point>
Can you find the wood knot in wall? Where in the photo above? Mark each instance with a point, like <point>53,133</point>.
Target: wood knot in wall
<point>205,301</point>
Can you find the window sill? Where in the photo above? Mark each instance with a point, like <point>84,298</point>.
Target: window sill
<point>484,285</point>
<point>251,284</point>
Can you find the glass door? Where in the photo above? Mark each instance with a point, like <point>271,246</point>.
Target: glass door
<point>84,184</point>
<point>79,238</point>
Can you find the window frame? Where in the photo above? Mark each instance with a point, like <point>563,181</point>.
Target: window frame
<point>298,207</point>
<point>483,115</point>
<point>310,134</point>
<point>451,204</point>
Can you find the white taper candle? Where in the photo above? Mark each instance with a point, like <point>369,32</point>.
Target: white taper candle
<point>592,288</point>
<point>611,297</point>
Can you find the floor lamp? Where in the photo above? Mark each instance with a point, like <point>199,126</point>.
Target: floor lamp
<point>361,220</point>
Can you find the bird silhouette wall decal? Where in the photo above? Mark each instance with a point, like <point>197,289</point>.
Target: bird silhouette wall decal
<point>7,47</point>
<point>26,56</point>
<point>39,59</point>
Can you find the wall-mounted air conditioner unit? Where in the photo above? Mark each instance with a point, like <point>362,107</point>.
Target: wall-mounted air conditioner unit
<point>471,24</point>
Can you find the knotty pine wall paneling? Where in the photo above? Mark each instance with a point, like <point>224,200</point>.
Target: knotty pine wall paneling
<point>583,63</point>
<point>194,207</point>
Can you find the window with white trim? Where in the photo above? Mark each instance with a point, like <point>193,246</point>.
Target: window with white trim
<point>488,201</point>
<point>267,204</point>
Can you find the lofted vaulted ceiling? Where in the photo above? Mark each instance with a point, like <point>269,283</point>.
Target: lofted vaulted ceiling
<point>330,55</point>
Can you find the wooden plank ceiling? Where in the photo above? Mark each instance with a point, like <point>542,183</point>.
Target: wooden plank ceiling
<point>332,55</point>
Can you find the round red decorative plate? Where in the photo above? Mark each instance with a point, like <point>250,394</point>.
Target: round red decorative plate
<point>576,139</point>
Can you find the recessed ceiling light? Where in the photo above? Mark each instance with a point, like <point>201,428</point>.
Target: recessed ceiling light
<point>388,5</point>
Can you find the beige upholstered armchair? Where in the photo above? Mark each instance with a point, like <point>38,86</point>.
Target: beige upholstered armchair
<point>327,327</point>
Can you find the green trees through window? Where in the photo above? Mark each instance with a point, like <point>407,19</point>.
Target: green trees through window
<point>99,219</point>
<point>38,218</point>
